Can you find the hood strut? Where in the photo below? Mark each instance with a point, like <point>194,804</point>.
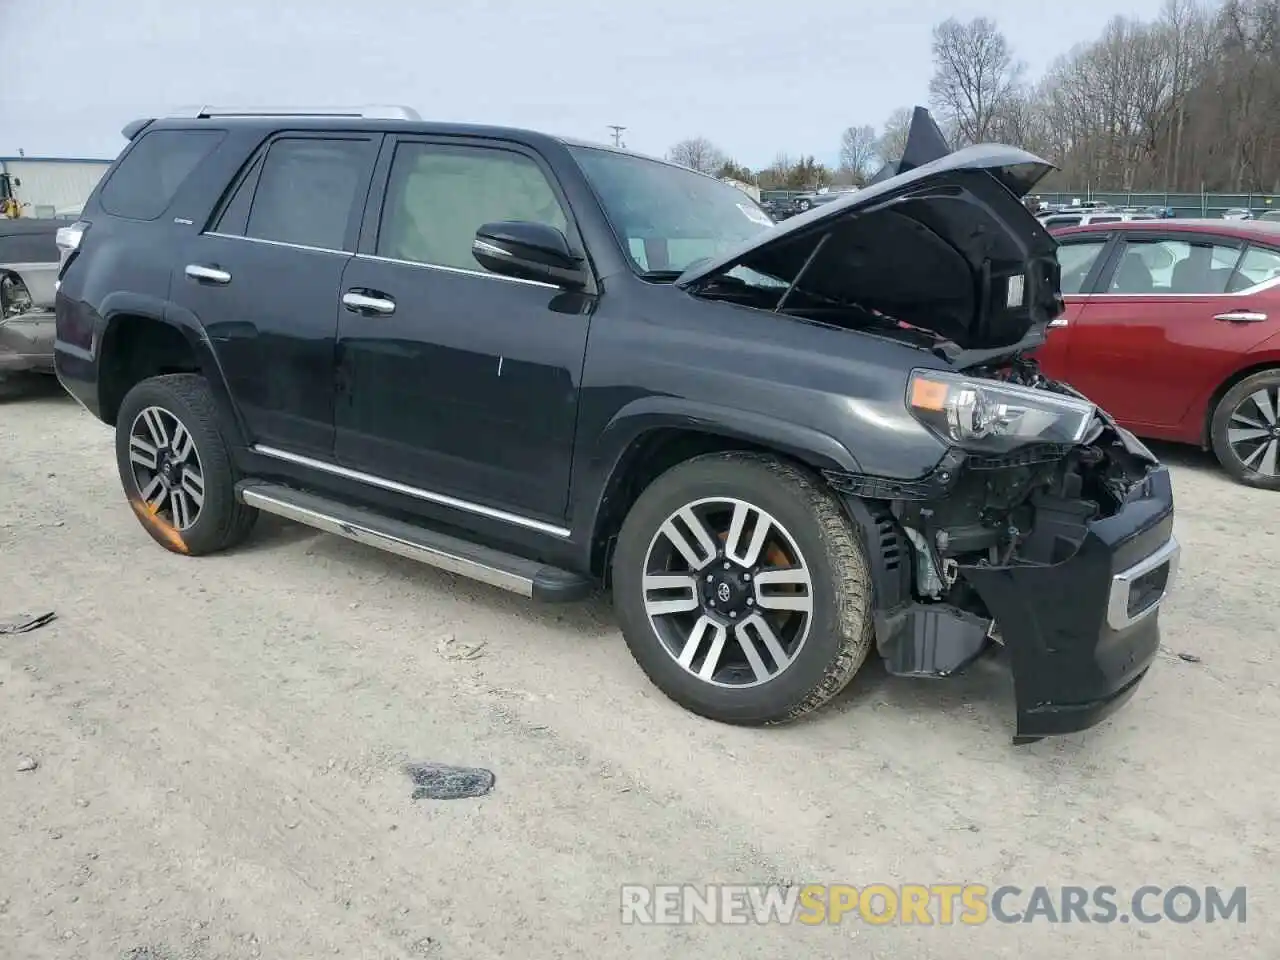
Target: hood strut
<point>808,262</point>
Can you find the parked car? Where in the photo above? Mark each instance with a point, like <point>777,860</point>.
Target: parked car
<point>1270,215</point>
<point>779,208</point>
<point>1237,213</point>
<point>1057,221</point>
<point>554,366</point>
<point>28,269</point>
<point>1174,327</point>
<point>807,201</point>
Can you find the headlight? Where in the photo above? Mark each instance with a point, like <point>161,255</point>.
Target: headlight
<point>989,415</point>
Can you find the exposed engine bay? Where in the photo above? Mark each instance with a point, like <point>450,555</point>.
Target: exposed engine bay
<point>1028,507</point>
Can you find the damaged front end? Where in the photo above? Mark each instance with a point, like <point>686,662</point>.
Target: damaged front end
<point>1061,549</point>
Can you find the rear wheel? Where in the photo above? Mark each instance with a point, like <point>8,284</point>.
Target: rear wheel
<point>1246,430</point>
<point>742,589</point>
<point>176,467</point>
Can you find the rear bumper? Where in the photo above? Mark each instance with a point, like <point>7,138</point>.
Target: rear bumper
<point>26,342</point>
<point>78,331</point>
<point>1082,633</point>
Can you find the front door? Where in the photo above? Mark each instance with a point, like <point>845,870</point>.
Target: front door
<point>264,282</point>
<point>1146,343</point>
<point>455,380</point>
<point>1079,260</point>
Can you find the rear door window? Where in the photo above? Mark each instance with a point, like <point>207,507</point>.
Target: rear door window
<point>1052,223</point>
<point>1169,266</point>
<point>151,173</point>
<point>307,192</point>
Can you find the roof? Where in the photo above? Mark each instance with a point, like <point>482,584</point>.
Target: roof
<point>1268,230</point>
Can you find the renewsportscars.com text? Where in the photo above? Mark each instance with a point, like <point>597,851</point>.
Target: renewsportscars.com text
<point>928,904</point>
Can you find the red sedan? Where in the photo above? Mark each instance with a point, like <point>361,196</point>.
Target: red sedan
<point>1173,326</point>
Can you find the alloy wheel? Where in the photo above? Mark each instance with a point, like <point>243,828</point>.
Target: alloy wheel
<point>1253,431</point>
<point>166,466</point>
<point>728,592</point>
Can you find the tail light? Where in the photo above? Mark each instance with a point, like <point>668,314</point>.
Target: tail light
<point>15,298</point>
<point>68,239</point>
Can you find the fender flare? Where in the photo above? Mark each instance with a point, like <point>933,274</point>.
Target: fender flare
<point>186,323</point>
<point>608,459</point>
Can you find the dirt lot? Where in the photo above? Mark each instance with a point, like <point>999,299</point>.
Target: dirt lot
<point>220,746</point>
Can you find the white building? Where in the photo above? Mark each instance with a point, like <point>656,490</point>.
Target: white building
<point>44,185</point>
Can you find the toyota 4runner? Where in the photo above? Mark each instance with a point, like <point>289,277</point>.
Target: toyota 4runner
<point>553,367</point>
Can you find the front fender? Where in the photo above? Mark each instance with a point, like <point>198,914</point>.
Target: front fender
<point>820,450</point>
<point>610,458</point>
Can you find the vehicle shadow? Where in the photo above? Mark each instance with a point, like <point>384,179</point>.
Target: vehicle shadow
<point>1185,457</point>
<point>34,388</point>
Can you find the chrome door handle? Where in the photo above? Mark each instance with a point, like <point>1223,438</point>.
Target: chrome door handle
<point>363,303</point>
<point>211,274</point>
<point>1241,316</point>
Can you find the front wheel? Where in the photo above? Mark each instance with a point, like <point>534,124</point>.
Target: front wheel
<point>176,468</point>
<point>1246,430</point>
<point>742,589</point>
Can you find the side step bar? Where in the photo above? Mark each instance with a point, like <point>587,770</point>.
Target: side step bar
<point>517,574</point>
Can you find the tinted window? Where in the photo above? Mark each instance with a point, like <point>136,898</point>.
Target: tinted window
<point>1258,265</point>
<point>1173,267</point>
<point>666,217</point>
<point>307,192</point>
<point>234,219</point>
<point>1052,222</point>
<point>1076,260</point>
<point>1104,219</point>
<point>438,196</point>
<point>151,173</point>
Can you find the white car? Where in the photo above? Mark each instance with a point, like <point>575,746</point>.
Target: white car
<point>1055,221</point>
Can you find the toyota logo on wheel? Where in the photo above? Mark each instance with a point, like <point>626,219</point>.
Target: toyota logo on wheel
<point>723,592</point>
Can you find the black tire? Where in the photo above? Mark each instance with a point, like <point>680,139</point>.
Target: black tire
<point>840,630</point>
<point>1232,461</point>
<point>221,521</point>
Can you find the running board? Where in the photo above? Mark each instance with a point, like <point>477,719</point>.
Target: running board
<point>507,571</point>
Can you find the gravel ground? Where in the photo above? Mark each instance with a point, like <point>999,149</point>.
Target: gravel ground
<point>220,743</point>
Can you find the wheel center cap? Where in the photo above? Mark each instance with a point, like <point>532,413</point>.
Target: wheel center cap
<point>727,592</point>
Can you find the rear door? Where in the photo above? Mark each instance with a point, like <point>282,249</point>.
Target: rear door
<point>264,280</point>
<point>1148,342</point>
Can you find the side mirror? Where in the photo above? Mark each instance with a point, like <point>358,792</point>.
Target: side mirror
<point>529,251</point>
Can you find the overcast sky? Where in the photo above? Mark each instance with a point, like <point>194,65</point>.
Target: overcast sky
<point>755,77</point>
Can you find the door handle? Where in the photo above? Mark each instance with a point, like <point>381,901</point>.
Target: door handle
<point>1241,316</point>
<point>209,274</point>
<point>363,303</point>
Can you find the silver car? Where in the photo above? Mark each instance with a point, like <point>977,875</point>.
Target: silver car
<point>28,272</point>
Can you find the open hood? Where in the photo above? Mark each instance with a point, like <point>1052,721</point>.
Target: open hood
<point>944,244</point>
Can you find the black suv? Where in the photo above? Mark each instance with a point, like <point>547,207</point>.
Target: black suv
<point>552,367</point>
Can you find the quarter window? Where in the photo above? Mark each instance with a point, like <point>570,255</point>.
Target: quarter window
<point>1258,265</point>
<point>152,172</point>
<point>438,196</point>
<point>1075,261</point>
<point>307,191</point>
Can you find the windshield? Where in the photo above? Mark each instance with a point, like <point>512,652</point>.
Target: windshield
<point>666,217</point>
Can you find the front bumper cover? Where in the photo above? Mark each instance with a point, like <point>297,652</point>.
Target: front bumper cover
<point>1082,633</point>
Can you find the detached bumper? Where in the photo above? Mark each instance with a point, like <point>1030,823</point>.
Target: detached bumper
<point>1082,633</point>
<point>26,342</point>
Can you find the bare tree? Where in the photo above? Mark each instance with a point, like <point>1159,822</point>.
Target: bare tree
<point>697,153</point>
<point>858,151</point>
<point>892,142</point>
<point>974,76</point>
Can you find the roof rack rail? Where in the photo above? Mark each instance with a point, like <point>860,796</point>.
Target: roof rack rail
<point>361,113</point>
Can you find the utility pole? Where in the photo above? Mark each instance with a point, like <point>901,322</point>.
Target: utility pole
<point>617,134</point>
